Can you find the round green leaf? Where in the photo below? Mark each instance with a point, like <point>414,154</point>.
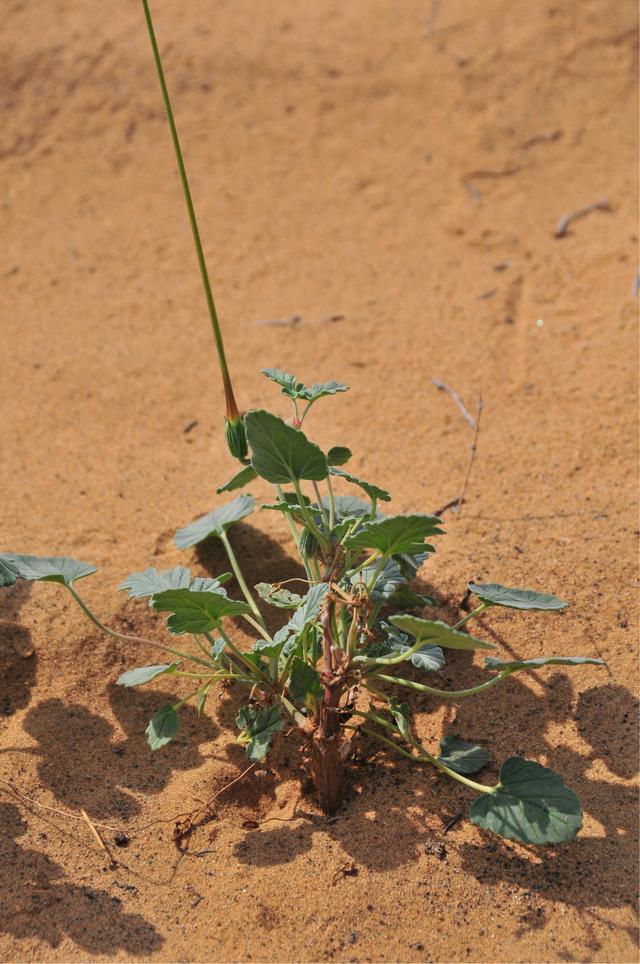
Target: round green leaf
<point>280,453</point>
<point>437,633</point>
<point>531,804</point>
<point>163,727</point>
<point>60,569</point>
<point>214,523</point>
<point>396,535</point>
<point>9,572</point>
<point>496,595</point>
<point>136,677</point>
<point>462,757</point>
<point>196,612</point>
<point>338,455</point>
<point>142,584</point>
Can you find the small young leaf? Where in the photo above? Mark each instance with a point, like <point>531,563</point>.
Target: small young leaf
<point>244,477</point>
<point>259,725</point>
<point>270,650</point>
<point>400,712</point>
<point>373,491</point>
<point>280,453</point>
<point>49,568</point>
<point>214,523</point>
<point>289,384</point>
<point>136,677</point>
<point>396,535</point>
<point>496,595</point>
<point>9,572</point>
<point>347,506</point>
<point>278,597</point>
<point>491,662</point>
<point>196,612</point>
<point>309,610</point>
<point>324,388</point>
<point>531,804</point>
<point>437,633</point>
<point>163,727</point>
<point>142,584</point>
<point>304,682</point>
<point>201,699</point>
<point>338,455</point>
<point>462,757</point>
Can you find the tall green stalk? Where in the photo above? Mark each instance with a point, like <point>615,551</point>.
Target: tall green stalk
<point>231,406</point>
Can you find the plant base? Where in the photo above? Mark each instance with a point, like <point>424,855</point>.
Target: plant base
<point>327,771</point>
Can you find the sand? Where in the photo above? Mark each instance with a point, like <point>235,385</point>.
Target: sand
<point>393,174</point>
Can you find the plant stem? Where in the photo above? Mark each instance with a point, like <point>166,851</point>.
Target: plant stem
<point>253,669</point>
<point>332,503</point>
<point>293,531</point>
<point>232,408</point>
<point>238,574</point>
<point>425,757</point>
<point>398,680</point>
<point>134,639</point>
<point>470,615</point>
<point>321,506</point>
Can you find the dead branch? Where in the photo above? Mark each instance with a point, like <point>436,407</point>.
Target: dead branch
<point>566,219</point>
<point>474,449</point>
<point>443,387</point>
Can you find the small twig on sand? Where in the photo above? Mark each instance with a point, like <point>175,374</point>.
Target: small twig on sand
<point>451,504</point>
<point>432,17</point>
<point>62,813</point>
<point>185,828</point>
<point>566,219</point>
<point>474,449</point>
<point>635,286</point>
<point>451,822</point>
<point>443,387</point>
<point>112,862</point>
<point>473,190</point>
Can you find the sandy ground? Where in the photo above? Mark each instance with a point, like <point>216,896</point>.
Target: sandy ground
<point>351,160</point>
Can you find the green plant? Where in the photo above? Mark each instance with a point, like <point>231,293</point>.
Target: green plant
<point>331,670</point>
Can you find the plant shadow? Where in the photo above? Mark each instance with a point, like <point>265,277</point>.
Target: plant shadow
<point>18,659</point>
<point>37,902</point>
<point>83,760</point>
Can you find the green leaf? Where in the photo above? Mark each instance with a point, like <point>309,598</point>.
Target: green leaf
<point>491,662</point>
<point>163,727</point>
<point>309,609</point>
<point>405,598</point>
<point>214,523</point>
<point>258,727</point>
<point>136,677</point>
<point>396,535</point>
<point>338,455</point>
<point>9,572</point>
<point>244,477</point>
<point>278,597</point>
<point>437,633</point>
<point>294,389</point>
<point>196,612</point>
<point>280,453</point>
<point>319,390</point>
<point>462,757</point>
<point>347,506</point>
<point>531,804</point>
<point>289,384</point>
<point>150,582</point>
<point>496,595</point>
<point>49,568</point>
<point>373,491</point>
<point>400,712</point>
<point>304,682</point>
<point>269,649</point>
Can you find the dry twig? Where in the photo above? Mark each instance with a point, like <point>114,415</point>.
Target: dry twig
<point>443,387</point>
<point>474,449</point>
<point>566,219</point>
<point>112,862</point>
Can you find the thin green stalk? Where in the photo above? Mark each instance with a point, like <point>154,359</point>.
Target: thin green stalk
<point>321,506</point>
<point>293,531</point>
<point>133,639</point>
<point>241,582</point>
<point>258,627</point>
<point>452,694</point>
<point>320,536</point>
<point>425,757</point>
<point>332,504</point>
<point>470,615</point>
<point>232,408</point>
<point>256,673</point>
